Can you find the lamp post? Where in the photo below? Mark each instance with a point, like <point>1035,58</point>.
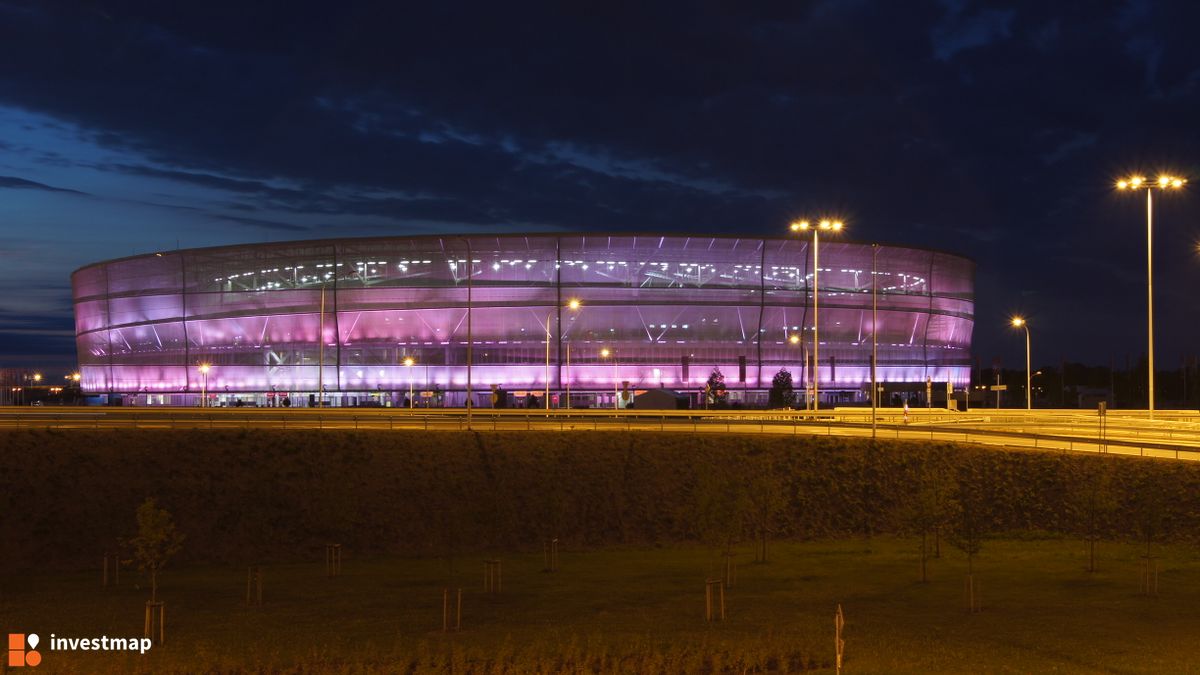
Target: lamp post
<point>1164,182</point>
<point>874,335</point>
<point>408,363</point>
<point>547,378</point>
<point>470,337</point>
<point>605,353</point>
<point>573,304</point>
<point>203,368</point>
<point>827,226</point>
<point>320,346</point>
<point>1019,322</point>
<point>794,340</point>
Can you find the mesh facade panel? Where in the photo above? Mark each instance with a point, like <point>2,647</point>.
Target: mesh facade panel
<point>347,313</point>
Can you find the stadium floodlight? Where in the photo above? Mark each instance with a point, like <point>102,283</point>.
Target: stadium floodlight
<point>1164,182</point>
<point>825,225</point>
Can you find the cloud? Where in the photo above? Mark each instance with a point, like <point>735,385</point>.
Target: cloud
<point>959,30</point>
<point>264,224</point>
<point>953,124</point>
<point>15,183</point>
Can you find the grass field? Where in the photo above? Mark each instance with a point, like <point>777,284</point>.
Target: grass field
<point>642,610</point>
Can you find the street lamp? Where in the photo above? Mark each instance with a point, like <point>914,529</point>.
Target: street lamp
<point>37,377</point>
<point>1164,182</point>
<point>408,363</point>
<point>1019,322</point>
<point>573,304</point>
<point>547,376</point>
<point>827,226</point>
<point>605,353</point>
<point>875,337</point>
<point>204,368</point>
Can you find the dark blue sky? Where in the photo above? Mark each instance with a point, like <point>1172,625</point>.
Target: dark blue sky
<point>994,130</point>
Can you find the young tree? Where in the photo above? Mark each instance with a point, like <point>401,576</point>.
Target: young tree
<point>1149,509</point>
<point>714,390</point>
<point>968,527</point>
<point>925,511</point>
<point>767,497</point>
<point>1091,502</point>
<point>968,522</point>
<point>720,505</point>
<point>156,542</point>
<point>782,394</point>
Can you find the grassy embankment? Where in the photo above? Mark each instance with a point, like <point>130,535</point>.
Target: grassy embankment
<point>628,610</point>
<point>642,519</point>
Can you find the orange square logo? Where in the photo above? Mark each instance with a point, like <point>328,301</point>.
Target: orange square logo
<point>18,657</point>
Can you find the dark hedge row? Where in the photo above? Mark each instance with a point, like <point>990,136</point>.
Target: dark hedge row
<point>66,496</point>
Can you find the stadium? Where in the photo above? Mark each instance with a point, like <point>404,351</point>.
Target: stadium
<point>584,319</point>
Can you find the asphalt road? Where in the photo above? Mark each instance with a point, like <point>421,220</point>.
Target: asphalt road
<point>1172,434</point>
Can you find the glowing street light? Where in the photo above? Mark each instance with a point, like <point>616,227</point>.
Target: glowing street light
<point>204,368</point>
<point>37,377</point>
<point>408,363</point>
<point>604,354</point>
<point>875,338</point>
<point>828,226</point>
<point>574,305</point>
<point>546,395</point>
<point>1019,322</point>
<point>1164,182</point>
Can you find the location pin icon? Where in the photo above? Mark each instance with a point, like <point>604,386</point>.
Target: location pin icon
<point>33,640</point>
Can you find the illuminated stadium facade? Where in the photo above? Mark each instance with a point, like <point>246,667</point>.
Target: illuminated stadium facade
<point>666,310</point>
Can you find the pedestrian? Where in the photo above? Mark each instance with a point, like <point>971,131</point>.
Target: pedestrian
<point>906,410</point>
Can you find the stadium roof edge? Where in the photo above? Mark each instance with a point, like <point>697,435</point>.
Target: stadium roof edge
<point>513,235</point>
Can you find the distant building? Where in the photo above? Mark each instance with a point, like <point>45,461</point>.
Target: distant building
<point>669,309</point>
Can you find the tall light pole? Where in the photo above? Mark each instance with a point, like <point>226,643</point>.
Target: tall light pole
<point>470,337</point>
<point>827,226</point>
<point>1019,322</point>
<point>794,340</point>
<point>408,363</point>
<point>605,353</point>
<point>321,347</point>
<point>1164,182</point>
<point>547,393</point>
<point>573,304</point>
<point>203,368</point>
<point>874,334</point>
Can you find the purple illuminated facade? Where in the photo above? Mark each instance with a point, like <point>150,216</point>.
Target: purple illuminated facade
<point>670,308</point>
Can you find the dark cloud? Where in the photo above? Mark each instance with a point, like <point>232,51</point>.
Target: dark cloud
<point>989,129</point>
<point>24,184</point>
<point>265,224</point>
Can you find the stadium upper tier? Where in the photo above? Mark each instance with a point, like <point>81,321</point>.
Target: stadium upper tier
<point>668,309</point>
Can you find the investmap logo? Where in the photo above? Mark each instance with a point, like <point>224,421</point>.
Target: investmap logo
<point>18,654</point>
<point>23,647</point>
